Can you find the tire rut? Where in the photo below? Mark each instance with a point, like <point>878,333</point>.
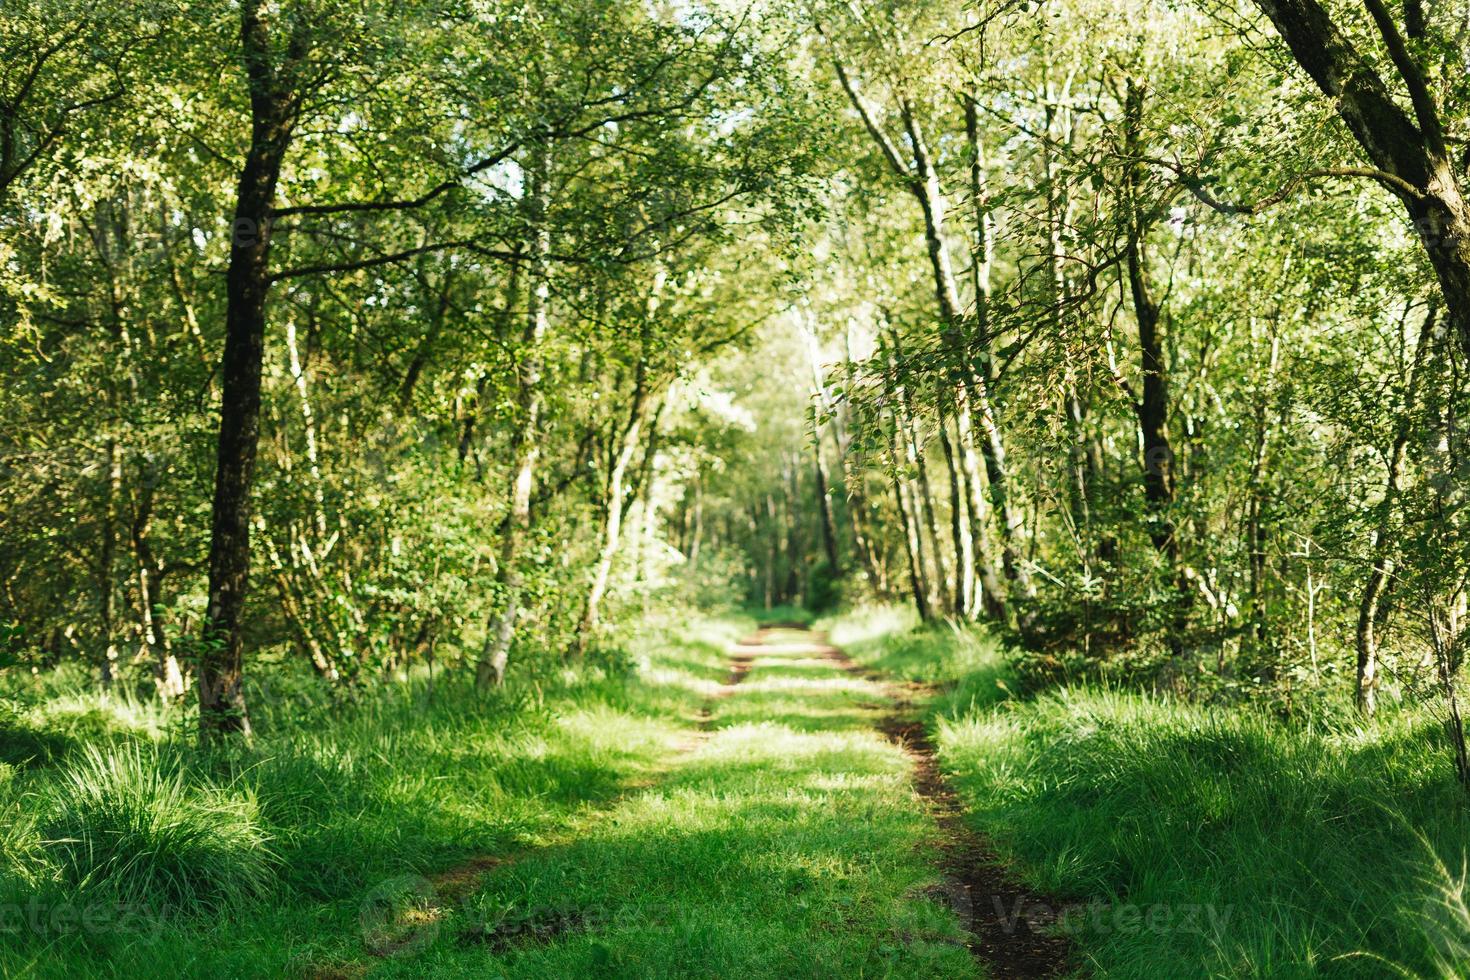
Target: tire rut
<point>1005,919</point>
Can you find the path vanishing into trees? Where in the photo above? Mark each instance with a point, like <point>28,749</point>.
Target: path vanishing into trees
<point>799,826</point>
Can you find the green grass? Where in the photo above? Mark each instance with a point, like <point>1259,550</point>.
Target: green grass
<point>46,729</point>
<point>583,825</point>
<point>1260,850</point>
<point>786,843</point>
<point>642,820</point>
<point>134,825</point>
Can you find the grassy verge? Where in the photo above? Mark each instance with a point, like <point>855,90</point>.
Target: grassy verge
<point>1202,841</point>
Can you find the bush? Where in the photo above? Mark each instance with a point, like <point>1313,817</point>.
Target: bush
<point>783,616</point>
<point>135,824</point>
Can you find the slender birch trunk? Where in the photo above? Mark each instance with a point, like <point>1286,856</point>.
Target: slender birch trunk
<point>525,446</point>
<point>612,522</point>
<point>961,594</point>
<point>1381,550</point>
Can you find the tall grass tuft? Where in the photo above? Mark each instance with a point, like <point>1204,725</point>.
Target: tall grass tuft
<point>134,824</point>
<point>18,846</point>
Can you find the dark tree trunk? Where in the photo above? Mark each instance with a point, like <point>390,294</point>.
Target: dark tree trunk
<point>222,708</point>
<point>1410,152</point>
<point>1153,405</point>
<point>824,502</point>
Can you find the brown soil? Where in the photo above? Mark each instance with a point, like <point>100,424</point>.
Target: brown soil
<point>999,912</point>
<point>459,881</point>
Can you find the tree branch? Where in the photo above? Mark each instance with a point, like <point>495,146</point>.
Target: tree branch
<point>1382,128</point>
<point>377,260</point>
<point>1196,186</point>
<point>890,152</point>
<point>1424,107</point>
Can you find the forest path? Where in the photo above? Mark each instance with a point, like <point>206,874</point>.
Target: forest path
<point>785,834</point>
<point>992,905</point>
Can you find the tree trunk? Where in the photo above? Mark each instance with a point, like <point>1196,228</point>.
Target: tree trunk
<point>1412,155</point>
<point>972,388</point>
<point>990,595</point>
<point>495,654</point>
<point>923,182</point>
<point>1256,504</point>
<point>907,515</point>
<point>795,549</point>
<point>771,551</point>
<point>612,521</point>
<point>614,507</point>
<point>1153,406</point>
<point>922,493</point>
<point>1366,688</point>
<point>696,537</point>
<point>963,550</point>
<point>106,591</point>
<point>168,678</point>
<point>913,544</point>
<point>824,502</point>
<point>648,512</point>
<point>852,480</point>
<point>927,510</point>
<point>1057,205</point>
<point>302,624</point>
<point>992,598</point>
<point>247,284</point>
<point>821,402</point>
<point>426,345</point>
<point>309,432</point>
<point>470,415</point>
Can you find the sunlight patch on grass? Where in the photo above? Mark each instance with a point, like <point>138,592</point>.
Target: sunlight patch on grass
<point>798,685</point>
<point>670,677</point>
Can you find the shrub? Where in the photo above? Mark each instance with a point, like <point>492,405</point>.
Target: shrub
<point>133,823</point>
<point>784,616</point>
<point>824,588</point>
